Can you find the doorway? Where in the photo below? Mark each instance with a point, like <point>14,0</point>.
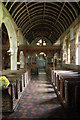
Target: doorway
<point>42,60</point>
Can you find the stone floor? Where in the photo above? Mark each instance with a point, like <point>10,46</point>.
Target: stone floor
<point>39,101</point>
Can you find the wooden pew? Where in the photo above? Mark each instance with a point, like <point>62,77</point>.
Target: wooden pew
<point>23,78</point>
<point>56,75</point>
<point>61,77</point>
<point>72,93</point>
<point>18,80</point>
<point>8,99</point>
<point>70,77</point>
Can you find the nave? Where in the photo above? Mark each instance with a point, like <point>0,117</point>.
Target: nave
<point>36,35</point>
<point>39,101</point>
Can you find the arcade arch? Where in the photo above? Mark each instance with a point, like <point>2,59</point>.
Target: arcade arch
<point>13,42</point>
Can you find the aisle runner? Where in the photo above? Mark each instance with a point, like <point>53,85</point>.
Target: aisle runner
<point>38,101</point>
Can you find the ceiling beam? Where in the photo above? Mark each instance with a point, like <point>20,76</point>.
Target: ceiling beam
<point>60,12</point>
<point>44,9</point>
<point>35,47</point>
<point>28,14</point>
<point>50,35</point>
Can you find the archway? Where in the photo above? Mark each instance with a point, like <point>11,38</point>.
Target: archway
<point>42,60</point>
<point>13,42</point>
<point>5,47</point>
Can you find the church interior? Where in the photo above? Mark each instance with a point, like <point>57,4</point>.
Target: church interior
<point>40,60</point>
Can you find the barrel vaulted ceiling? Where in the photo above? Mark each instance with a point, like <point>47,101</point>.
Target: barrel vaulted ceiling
<point>43,19</point>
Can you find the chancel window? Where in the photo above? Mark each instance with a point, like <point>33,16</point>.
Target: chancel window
<point>41,43</point>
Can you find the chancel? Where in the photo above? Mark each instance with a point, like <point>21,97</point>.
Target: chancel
<point>39,60</point>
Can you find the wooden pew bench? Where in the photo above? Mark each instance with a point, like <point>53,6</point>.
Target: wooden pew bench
<point>24,78</point>
<point>61,77</point>
<point>72,93</point>
<point>61,87</point>
<point>18,81</point>
<point>56,75</point>
<point>8,99</point>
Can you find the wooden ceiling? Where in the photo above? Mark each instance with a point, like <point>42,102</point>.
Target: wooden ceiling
<point>47,19</point>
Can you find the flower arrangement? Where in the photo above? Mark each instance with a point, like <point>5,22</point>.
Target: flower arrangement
<point>4,82</point>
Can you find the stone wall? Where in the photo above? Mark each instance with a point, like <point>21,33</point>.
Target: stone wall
<point>74,39</point>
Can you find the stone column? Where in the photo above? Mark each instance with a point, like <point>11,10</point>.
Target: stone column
<point>13,59</point>
<point>21,59</point>
<point>0,50</point>
<point>25,62</point>
<point>1,16</point>
<point>79,51</point>
<point>77,58</point>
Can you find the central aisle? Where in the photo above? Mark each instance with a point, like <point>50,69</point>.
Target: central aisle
<point>38,101</point>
